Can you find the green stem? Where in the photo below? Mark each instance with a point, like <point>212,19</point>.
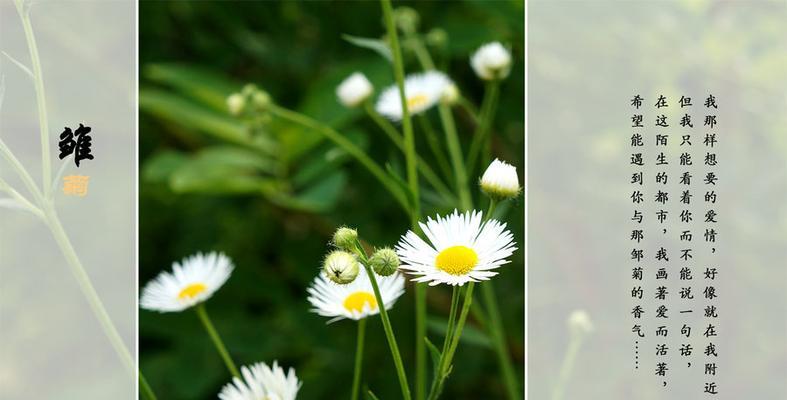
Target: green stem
<point>407,123</point>
<point>444,366</point>
<point>568,365</point>
<point>22,200</point>
<point>455,150</point>
<point>389,334</point>
<point>412,180</point>
<point>451,325</point>
<point>435,147</point>
<point>214,336</point>
<point>423,167</point>
<point>495,328</point>
<point>144,388</point>
<point>358,358</point>
<point>482,139</point>
<point>420,335</point>
<point>347,146</point>
<point>40,97</point>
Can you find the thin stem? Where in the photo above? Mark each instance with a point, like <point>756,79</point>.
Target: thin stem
<point>420,336</point>
<point>214,336</point>
<point>358,358</point>
<point>40,96</point>
<point>567,367</point>
<point>445,360</point>
<point>347,146</point>
<point>435,147</point>
<point>22,200</point>
<point>144,388</point>
<point>412,181</point>
<point>389,334</point>
<point>495,328</point>
<point>407,123</point>
<point>455,150</point>
<point>481,139</point>
<point>27,180</point>
<point>449,331</point>
<point>491,210</point>
<point>423,166</point>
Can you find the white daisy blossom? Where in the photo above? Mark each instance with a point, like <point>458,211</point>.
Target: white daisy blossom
<point>355,300</point>
<point>354,90</point>
<point>462,249</point>
<point>491,61</point>
<point>261,382</point>
<point>500,180</point>
<point>191,282</point>
<point>422,92</point>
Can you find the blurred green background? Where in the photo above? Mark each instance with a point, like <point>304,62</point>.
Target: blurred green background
<point>272,199</point>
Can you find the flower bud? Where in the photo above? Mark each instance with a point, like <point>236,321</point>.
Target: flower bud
<point>354,90</point>
<point>500,181</point>
<point>345,238</point>
<point>406,19</point>
<point>236,103</point>
<point>491,61</point>
<point>384,261</point>
<point>436,38</point>
<point>260,100</point>
<point>340,267</point>
<point>450,94</point>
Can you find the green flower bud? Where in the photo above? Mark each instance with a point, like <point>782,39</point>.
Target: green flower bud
<point>384,261</point>
<point>236,103</point>
<point>436,38</point>
<point>345,238</point>
<point>406,19</point>
<point>340,267</point>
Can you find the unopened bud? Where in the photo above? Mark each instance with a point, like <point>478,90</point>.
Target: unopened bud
<point>345,238</point>
<point>384,261</point>
<point>340,267</point>
<point>236,103</point>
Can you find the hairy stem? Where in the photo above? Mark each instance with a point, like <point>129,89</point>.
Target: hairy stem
<point>214,336</point>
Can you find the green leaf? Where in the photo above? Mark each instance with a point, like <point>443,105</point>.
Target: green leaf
<point>212,171</point>
<point>371,396</point>
<point>377,45</point>
<point>203,85</point>
<point>436,355</point>
<point>320,197</point>
<point>194,117</point>
<point>161,166</point>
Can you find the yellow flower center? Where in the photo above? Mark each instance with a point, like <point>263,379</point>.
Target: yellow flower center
<point>456,260</point>
<point>416,101</point>
<point>357,300</point>
<point>191,291</point>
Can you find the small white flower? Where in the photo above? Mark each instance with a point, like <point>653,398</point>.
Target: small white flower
<point>422,92</point>
<point>354,90</point>
<point>500,181</point>
<point>355,300</point>
<point>261,382</point>
<point>461,249</point>
<point>579,321</point>
<point>191,282</point>
<point>491,61</point>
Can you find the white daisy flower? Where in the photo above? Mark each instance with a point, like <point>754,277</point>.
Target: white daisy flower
<point>500,181</point>
<point>191,282</point>
<point>491,61</point>
<point>422,91</point>
<point>461,249</point>
<point>354,300</point>
<point>262,383</point>
<point>354,90</point>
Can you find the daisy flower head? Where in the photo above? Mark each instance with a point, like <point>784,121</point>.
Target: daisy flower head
<point>500,181</point>
<point>354,90</point>
<point>422,92</point>
<point>355,300</point>
<point>491,61</point>
<point>461,249</point>
<point>262,382</point>
<point>192,281</point>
